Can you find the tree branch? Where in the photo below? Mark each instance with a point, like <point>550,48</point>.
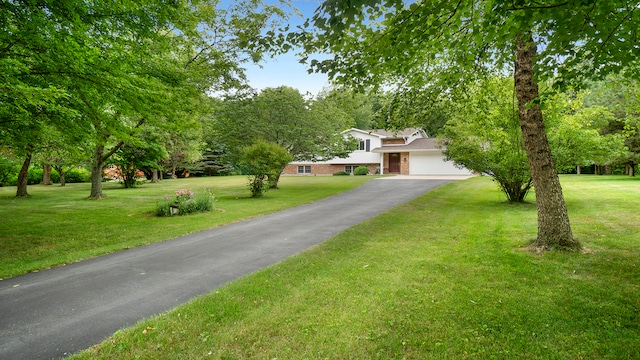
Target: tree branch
<point>121,143</point>
<point>613,31</point>
<point>539,7</point>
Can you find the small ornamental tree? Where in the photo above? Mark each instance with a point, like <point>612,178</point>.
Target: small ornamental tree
<point>144,155</point>
<point>483,135</point>
<point>263,162</point>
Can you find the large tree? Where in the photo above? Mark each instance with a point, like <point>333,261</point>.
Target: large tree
<point>435,45</point>
<point>359,107</point>
<point>126,64</point>
<point>309,131</point>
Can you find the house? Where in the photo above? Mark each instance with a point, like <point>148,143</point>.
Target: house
<point>407,152</point>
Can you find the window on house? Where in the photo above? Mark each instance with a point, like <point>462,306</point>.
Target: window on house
<point>365,145</point>
<point>349,168</point>
<point>304,169</point>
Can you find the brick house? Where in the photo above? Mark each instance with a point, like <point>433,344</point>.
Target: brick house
<point>114,172</point>
<point>407,152</point>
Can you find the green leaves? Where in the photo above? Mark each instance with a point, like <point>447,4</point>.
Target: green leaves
<point>116,66</point>
<point>484,135</point>
<point>309,130</point>
<point>263,162</point>
<point>579,40</point>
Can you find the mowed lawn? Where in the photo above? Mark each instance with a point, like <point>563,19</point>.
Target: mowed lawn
<point>446,276</point>
<point>58,225</point>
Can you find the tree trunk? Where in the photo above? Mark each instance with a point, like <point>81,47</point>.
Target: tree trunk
<point>578,170</point>
<point>154,175</point>
<point>274,180</point>
<point>61,173</point>
<point>554,229</point>
<point>96,173</point>
<point>46,174</point>
<point>23,177</point>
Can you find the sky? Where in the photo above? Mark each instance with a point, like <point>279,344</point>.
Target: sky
<point>285,69</point>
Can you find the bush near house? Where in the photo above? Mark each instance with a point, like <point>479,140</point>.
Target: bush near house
<point>361,170</point>
<point>341,173</point>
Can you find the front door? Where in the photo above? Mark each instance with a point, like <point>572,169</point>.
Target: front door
<point>394,163</point>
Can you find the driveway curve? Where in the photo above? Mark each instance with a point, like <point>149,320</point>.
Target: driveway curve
<point>54,313</point>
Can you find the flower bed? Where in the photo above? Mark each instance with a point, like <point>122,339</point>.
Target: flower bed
<point>185,202</point>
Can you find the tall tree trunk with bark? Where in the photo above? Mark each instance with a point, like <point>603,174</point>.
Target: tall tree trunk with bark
<point>274,180</point>
<point>62,174</point>
<point>46,174</point>
<point>23,177</point>
<point>96,173</point>
<point>554,229</point>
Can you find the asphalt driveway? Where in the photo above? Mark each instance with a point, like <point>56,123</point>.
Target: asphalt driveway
<point>54,313</point>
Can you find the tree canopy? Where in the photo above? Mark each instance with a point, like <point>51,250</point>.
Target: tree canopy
<point>577,134</point>
<point>431,46</point>
<point>308,129</point>
<point>621,96</point>
<point>111,67</point>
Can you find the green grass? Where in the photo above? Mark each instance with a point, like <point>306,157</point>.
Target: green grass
<point>446,276</point>
<point>58,225</point>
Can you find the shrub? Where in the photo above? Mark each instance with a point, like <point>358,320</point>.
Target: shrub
<point>341,173</point>
<point>35,176</point>
<point>77,175</point>
<point>9,167</point>
<point>55,177</point>
<point>185,202</point>
<point>264,163</point>
<point>11,180</point>
<point>257,185</point>
<point>361,170</point>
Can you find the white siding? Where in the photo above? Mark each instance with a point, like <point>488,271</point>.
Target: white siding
<point>433,163</point>
<point>360,156</point>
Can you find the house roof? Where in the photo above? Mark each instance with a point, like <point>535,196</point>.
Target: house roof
<point>396,133</point>
<point>420,144</point>
<point>390,134</point>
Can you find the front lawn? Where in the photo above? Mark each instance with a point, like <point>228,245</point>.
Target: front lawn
<point>446,276</point>
<point>58,225</point>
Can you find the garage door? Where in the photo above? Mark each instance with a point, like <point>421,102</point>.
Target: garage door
<point>432,164</point>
